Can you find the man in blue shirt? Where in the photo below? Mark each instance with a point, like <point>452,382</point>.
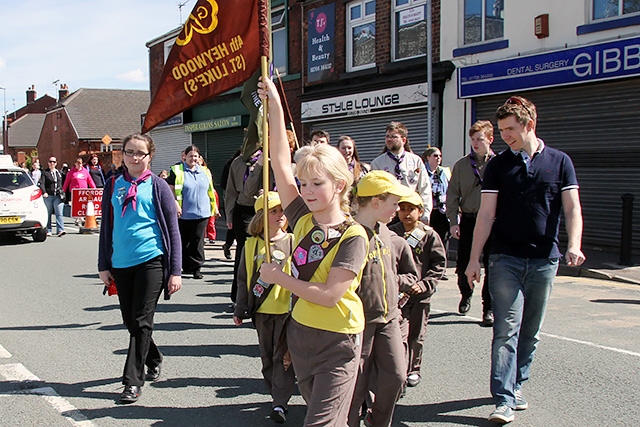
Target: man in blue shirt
<point>525,189</point>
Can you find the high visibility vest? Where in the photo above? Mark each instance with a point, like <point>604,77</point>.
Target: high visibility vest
<point>178,170</point>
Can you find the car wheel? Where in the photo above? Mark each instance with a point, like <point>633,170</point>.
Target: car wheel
<point>40,235</point>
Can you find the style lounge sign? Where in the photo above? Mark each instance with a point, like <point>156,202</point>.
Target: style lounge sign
<point>357,104</point>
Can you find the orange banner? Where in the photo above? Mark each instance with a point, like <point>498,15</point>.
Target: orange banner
<point>217,50</point>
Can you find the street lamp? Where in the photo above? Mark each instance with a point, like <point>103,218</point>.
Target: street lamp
<point>4,123</point>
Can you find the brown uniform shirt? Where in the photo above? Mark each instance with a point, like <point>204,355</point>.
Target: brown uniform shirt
<point>379,288</point>
<point>463,194</point>
<point>430,258</point>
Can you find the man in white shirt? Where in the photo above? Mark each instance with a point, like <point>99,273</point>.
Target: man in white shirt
<point>399,160</point>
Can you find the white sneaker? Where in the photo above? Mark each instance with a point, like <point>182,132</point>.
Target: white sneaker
<point>413,380</point>
<point>502,415</point>
<point>521,402</point>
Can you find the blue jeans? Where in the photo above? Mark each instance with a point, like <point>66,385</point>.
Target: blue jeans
<point>54,205</point>
<point>520,289</point>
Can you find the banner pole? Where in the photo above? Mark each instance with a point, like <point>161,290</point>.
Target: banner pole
<point>264,63</point>
<point>286,104</point>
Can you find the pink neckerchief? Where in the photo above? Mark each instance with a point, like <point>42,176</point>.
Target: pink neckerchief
<point>132,192</point>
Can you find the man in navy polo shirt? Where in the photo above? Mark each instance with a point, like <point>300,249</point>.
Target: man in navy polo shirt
<point>524,191</point>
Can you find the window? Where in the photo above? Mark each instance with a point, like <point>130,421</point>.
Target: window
<point>483,20</point>
<point>612,8</point>
<point>409,29</point>
<point>361,35</point>
<point>279,39</point>
<point>110,147</point>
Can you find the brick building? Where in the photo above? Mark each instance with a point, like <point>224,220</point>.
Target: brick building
<point>24,126</point>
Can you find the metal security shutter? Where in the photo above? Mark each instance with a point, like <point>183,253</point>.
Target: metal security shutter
<point>169,142</point>
<point>597,125</point>
<point>217,147</point>
<point>368,132</point>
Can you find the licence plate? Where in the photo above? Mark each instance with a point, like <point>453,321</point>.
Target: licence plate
<point>9,220</point>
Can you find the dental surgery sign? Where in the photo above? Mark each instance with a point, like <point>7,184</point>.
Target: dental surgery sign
<point>320,43</point>
<point>603,61</point>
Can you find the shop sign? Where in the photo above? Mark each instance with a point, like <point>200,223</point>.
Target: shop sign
<point>603,61</point>
<point>365,103</point>
<point>214,124</point>
<point>320,46</point>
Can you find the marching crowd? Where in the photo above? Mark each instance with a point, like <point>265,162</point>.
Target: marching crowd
<point>340,297</point>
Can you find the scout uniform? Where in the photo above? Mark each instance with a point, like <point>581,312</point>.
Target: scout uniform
<point>382,341</point>
<point>324,342</point>
<point>268,306</point>
<point>430,258</point>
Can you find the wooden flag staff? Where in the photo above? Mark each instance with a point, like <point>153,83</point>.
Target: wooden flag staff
<point>286,105</point>
<point>265,168</point>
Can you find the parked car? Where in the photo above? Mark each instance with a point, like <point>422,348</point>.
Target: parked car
<point>22,208</point>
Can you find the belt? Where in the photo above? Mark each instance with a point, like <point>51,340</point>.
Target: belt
<point>469,215</point>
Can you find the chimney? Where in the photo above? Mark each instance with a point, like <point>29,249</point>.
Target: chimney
<point>63,92</point>
<point>31,95</point>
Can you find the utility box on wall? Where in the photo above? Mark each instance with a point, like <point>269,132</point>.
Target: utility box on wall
<point>541,26</point>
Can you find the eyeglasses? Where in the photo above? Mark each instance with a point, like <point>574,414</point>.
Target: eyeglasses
<point>436,155</point>
<point>52,161</point>
<point>517,101</point>
<point>137,154</point>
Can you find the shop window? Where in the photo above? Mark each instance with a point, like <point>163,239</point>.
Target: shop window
<point>110,147</point>
<point>279,39</point>
<point>409,29</point>
<point>603,9</point>
<point>483,20</point>
<point>361,35</point>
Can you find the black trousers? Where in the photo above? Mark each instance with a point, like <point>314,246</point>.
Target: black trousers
<point>467,224</point>
<point>192,235</point>
<point>440,224</point>
<point>241,218</point>
<point>139,288</point>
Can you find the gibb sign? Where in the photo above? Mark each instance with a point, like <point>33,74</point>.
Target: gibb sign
<point>603,61</point>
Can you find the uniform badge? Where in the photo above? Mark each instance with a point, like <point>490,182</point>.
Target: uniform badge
<point>258,290</point>
<point>294,271</point>
<point>315,253</point>
<point>300,255</point>
<point>412,241</point>
<point>317,236</point>
<point>278,256</point>
<point>333,233</point>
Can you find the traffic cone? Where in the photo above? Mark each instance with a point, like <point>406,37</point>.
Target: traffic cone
<point>90,224</point>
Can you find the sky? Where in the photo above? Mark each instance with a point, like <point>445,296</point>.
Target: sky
<point>98,44</point>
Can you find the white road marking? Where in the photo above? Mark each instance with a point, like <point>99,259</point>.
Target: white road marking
<point>4,353</point>
<point>590,344</point>
<point>16,372</point>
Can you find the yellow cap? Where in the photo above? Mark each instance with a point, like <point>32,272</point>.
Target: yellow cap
<point>273,200</point>
<point>414,199</point>
<point>379,182</point>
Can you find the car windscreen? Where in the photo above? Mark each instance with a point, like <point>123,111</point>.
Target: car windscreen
<point>13,180</point>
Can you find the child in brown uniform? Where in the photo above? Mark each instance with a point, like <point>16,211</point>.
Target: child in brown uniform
<point>268,306</point>
<point>377,195</point>
<point>327,318</point>
<point>430,257</point>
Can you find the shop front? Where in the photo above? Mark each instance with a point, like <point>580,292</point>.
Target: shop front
<point>586,100</point>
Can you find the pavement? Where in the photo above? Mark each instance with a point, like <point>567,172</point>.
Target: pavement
<point>605,265</point>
